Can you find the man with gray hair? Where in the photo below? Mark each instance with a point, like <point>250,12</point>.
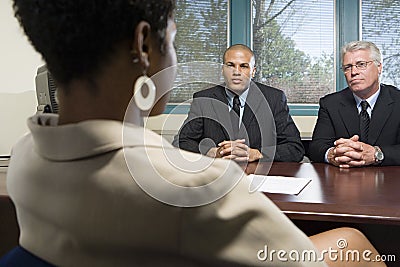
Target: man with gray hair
<point>360,125</point>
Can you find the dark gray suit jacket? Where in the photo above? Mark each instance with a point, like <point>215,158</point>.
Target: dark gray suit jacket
<point>338,117</point>
<point>268,126</point>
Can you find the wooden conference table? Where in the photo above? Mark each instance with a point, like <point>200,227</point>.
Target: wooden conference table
<point>368,194</point>
<point>356,195</point>
<point>365,196</point>
<point>362,195</point>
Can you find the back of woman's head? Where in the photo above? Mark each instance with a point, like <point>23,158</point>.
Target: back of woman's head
<point>76,37</point>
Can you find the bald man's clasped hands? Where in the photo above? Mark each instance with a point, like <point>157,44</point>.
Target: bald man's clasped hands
<point>236,150</point>
<point>351,153</point>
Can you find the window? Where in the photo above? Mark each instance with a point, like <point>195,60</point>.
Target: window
<point>381,25</point>
<point>201,36</point>
<point>294,41</point>
<point>294,46</point>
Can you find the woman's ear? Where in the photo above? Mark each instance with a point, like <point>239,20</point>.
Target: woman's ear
<point>141,45</point>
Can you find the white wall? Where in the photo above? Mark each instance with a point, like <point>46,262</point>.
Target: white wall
<point>18,65</point>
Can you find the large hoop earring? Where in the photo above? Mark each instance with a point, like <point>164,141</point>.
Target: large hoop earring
<point>144,103</point>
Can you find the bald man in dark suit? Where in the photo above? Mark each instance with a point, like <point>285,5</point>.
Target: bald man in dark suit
<point>266,130</point>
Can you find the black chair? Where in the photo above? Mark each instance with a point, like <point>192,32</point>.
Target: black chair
<point>20,257</point>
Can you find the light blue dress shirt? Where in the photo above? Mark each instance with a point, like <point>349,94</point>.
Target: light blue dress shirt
<point>371,101</point>
<point>242,98</point>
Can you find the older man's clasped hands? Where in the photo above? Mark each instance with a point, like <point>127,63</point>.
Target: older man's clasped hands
<point>351,153</point>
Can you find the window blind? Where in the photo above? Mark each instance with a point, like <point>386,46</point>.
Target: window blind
<point>381,25</point>
<point>294,47</point>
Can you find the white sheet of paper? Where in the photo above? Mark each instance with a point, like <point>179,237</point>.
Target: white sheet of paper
<point>280,184</point>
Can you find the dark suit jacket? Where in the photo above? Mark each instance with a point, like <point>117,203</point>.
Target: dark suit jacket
<point>268,126</point>
<point>338,117</point>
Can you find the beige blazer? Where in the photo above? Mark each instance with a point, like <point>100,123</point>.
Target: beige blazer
<point>82,199</point>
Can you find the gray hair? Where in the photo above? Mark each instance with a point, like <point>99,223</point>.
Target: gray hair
<point>375,53</point>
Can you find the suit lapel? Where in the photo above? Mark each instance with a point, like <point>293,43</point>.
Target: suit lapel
<point>381,112</point>
<point>253,102</point>
<point>254,99</point>
<point>222,112</point>
<point>349,113</point>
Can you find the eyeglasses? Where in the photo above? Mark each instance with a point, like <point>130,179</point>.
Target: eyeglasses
<point>360,65</point>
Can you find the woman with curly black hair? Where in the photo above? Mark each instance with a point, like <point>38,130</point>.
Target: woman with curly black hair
<point>92,187</point>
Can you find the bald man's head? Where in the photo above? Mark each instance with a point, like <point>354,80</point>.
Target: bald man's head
<point>239,47</point>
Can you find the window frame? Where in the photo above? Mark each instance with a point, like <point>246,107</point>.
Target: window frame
<point>347,28</point>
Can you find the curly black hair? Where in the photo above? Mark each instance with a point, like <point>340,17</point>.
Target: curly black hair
<point>75,37</point>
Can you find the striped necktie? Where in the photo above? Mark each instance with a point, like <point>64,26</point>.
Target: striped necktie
<point>364,122</point>
<point>235,115</point>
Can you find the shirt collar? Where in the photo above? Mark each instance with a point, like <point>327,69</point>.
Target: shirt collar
<point>87,138</point>
<point>371,100</point>
<point>242,97</point>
